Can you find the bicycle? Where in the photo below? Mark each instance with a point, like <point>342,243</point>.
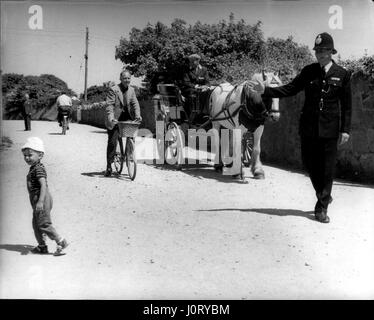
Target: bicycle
<point>65,123</point>
<point>128,130</point>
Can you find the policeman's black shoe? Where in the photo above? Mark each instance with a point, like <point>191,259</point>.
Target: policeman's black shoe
<point>60,125</point>
<point>330,199</point>
<point>322,216</point>
<point>108,172</point>
<point>40,250</point>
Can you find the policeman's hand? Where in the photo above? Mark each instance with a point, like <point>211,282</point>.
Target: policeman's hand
<point>344,137</point>
<point>138,120</point>
<point>274,115</point>
<point>115,121</point>
<point>256,86</point>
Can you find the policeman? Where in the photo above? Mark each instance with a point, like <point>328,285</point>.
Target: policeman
<point>325,119</point>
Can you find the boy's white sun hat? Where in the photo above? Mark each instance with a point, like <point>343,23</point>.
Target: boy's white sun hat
<point>34,143</point>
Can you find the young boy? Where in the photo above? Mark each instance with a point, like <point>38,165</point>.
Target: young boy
<point>40,198</point>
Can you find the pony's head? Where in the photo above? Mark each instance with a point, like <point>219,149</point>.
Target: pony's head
<point>254,102</point>
<point>270,79</point>
<point>255,107</point>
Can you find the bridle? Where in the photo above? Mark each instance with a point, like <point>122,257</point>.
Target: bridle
<point>227,104</point>
<point>242,106</point>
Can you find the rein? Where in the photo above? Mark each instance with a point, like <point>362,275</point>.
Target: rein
<point>228,104</point>
<point>242,106</point>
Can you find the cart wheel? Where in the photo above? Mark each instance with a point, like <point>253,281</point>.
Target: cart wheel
<point>174,143</point>
<point>118,157</point>
<point>247,150</point>
<point>131,158</point>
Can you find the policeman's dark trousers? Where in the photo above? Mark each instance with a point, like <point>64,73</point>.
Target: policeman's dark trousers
<point>319,157</point>
<point>41,220</point>
<point>27,120</point>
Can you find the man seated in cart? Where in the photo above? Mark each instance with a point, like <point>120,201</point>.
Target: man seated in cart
<point>194,87</point>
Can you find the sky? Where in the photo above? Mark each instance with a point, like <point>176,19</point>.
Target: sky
<point>50,38</point>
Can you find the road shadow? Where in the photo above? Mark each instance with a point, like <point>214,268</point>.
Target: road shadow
<point>55,133</point>
<point>339,182</point>
<point>270,211</point>
<point>202,171</point>
<point>23,249</point>
<point>97,131</point>
<point>100,174</point>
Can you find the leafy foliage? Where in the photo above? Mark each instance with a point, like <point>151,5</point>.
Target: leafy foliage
<point>364,64</point>
<point>230,50</point>
<point>98,93</point>
<point>43,91</point>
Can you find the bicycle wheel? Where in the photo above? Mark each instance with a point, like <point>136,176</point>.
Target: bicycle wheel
<point>118,157</point>
<point>64,125</point>
<point>131,158</point>
<point>173,143</point>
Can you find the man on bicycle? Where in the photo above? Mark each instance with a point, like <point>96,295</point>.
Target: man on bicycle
<point>122,105</point>
<point>64,106</point>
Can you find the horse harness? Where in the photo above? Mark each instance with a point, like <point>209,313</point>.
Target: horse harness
<point>242,106</point>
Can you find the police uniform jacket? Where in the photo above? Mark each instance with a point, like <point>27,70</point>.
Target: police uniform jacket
<point>120,99</point>
<point>327,107</point>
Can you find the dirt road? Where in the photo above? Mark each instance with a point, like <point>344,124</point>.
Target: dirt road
<point>190,234</point>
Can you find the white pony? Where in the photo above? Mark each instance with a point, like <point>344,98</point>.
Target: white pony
<point>236,107</point>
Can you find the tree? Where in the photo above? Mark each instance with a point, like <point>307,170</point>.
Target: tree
<point>98,93</point>
<point>162,49</point>
<point>43,91</point>
<point>286,56</point>
<point>229,49</point>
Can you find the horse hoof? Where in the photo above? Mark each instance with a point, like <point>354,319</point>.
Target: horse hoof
<point>259,176</point>
<point>258,173</point>
<point>218,168</point>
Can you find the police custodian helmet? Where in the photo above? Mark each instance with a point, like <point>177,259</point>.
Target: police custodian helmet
<point>325,41</point>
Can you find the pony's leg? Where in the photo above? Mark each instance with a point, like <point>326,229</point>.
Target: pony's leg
<point>257,170</point>
<point>218,165</point>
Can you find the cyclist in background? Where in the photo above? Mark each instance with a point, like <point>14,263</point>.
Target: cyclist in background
<point>64,106</point>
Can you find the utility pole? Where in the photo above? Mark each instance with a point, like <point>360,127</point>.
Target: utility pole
<point>85,67</point>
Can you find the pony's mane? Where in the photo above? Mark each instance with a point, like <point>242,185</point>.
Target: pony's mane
<point>250,96</point>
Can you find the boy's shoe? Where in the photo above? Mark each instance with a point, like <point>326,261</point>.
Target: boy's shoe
<point>40,250</point>
<point>61,246</point>
<point>63,243</point>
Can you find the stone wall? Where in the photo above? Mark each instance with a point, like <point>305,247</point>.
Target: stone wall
<point>281,142</point>
<point>94,114</point>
